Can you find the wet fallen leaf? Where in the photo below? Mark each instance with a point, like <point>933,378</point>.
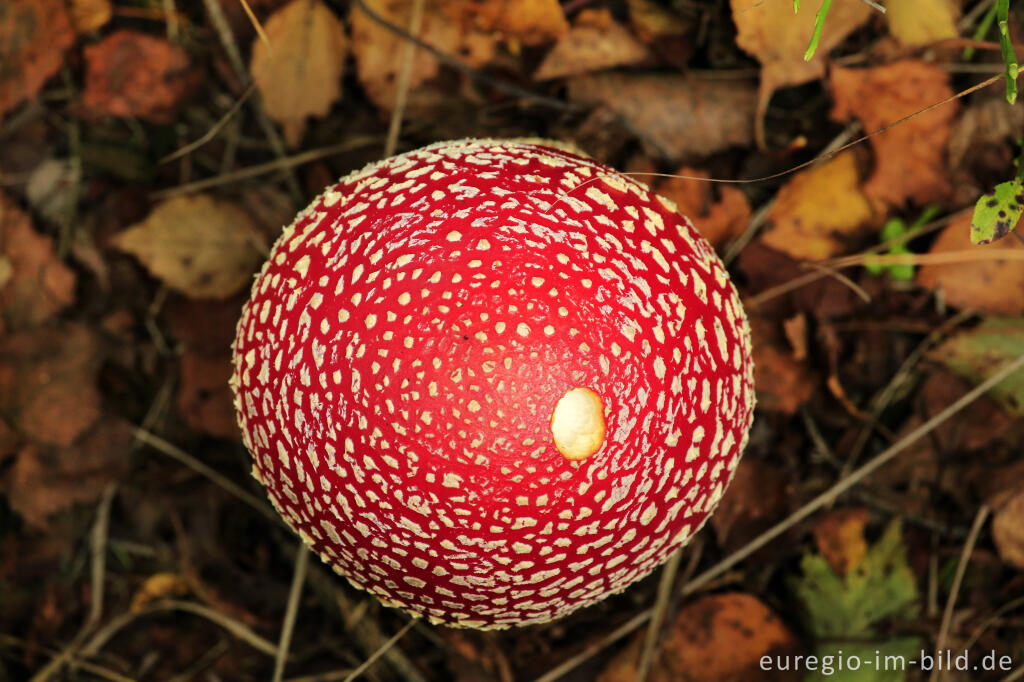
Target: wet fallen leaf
<point>204,399</point>
<point>1008,530</point>
<point>819,210</point>
<point>717,220</point>
<point>919,22</point>
<point>980,352</point>
<point>198,245</point>
<point>48,377</point>
<point>595,42</point>
<point>680,117</point>
<point>37,284</point>
<point>839,537</point>
<point>299,73</point>
<point>909,158</point>
<point>783,384</point>
<point>992,286</point>
<point>89,15</point>
<point>158,586</point>
<point>34,34</point>
<point>377,49</point>
<point>879,587</point>
<point>133,74</point>
<point>47,480</point>
<point>768,30</point>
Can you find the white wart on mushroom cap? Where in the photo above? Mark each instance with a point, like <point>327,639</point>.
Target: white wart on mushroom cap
<point>398,367</point>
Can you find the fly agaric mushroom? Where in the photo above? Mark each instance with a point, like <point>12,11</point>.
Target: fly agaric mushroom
<point>484,396</point>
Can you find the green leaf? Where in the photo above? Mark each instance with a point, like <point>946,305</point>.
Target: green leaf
<point>880,587</point>
<point>997,214</point>
<point>977,353</point>
<point>819,26</point>
<point>878,661</point>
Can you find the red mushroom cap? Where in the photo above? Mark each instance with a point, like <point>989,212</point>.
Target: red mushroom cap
<point>399,364</point>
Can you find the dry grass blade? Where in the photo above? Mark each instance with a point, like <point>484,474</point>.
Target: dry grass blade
<point>255,22</point>
<point>668,579</point>
<point>380,652</point>
<point>212,132</point>
<point>298,580</point>
<point>408,53</point>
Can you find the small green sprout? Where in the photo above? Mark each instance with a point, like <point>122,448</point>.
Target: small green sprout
<point>896,230</point>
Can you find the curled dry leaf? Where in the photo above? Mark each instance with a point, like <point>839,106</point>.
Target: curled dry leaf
<point>1008,530</point>
<point>818,210</point>
<point>198,245</point>
<point>768,30</point>
<point>910,157</point>
<point>919,22</point>
<point>377,49</point>
<point>34,34</point>
<point>595,42</point>
<point>134,74</point>
<point>37,285</point>
<point>678,116</point>
<point>992,286</point>
<point>299,73</point>
<point>718,220</point>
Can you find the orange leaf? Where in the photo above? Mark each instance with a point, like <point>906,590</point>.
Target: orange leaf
<point>595,42</point>
<point>839,536</point>
<point>718,221</point>
<point>34,35</point>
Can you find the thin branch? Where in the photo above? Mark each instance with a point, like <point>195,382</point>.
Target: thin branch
<point>402,96</point>
<point>212,132</point>
<point>380,652</point>
<point>668,578</point>
<point>298,580</point>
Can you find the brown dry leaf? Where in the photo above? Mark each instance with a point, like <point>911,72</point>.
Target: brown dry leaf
<point>45,480</point>
<point>37,285</point>
<point>198,245</point>
<point>529,22</point>
<point>910,157</point>
<point>158,586</point>
<point>134,74</point>
<point>668,34</point>
<point>756,499</point>
<point>595,42</point>
<point>299,73</point>
<point>718,221</point>
<point>48,382</point>
<point>377,49</point>
<point>818,209</point>
<point>783,384</point>
<point>769,31</point>
<point>204,399</point>
<point>678,116</point>
<point>89,15</point>
<point>839,536</point>
<point>1008,530</point>
<point>34,34</point>
<point>991,286</point>
<point>919,22</point>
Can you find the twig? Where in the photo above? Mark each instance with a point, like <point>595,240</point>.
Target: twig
<point>668,578</point>
<point>380,652</point>
<point>954,590</point>
<point>212,132</point>
<point>255,23</point>
<point>402,95</point>
<point>173,451</point>
<point>298,580</point>
<point>171,14</point>
<point>806,510</point>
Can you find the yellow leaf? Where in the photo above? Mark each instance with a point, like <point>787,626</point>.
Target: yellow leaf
<point>158,586</point>
<point>299,74</point>
<point>198,245</point>
<point>817,208</point>
<point>919,22</point>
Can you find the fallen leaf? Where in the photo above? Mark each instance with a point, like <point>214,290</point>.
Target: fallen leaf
<point>978,353</point>
<point>48,382</point>
<point>996,215</point>
<point>768,30</point>
<point>38,285</point>
<point>668,34</point>
<point>198,245</point>
<point>978,425</point>
<point>52,189</point>
<point>717,221</point>
<point>204,399</point>
<point>595,42</point>
<point>991,286</point>
<point>783,384</point>
<point>989,121</point>
<point>377,50</point>
<point>909,158</point>
<point>795,329</point>
<point>679,116</point>
<point>34,34</point>
<point>132,74</point>
<point>529,22</point>
<point>299,73</point>
<point>205,326</point>
<point>1008,530</point>
<point>89,15</point>
<point>756,499</point>
<point>888,650</point>
<point>839,537</point>
<point>881,586</point>
<point>919,22</point>
<point>158,586</point>
<point>818,210</point>
<point>47,480</point>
